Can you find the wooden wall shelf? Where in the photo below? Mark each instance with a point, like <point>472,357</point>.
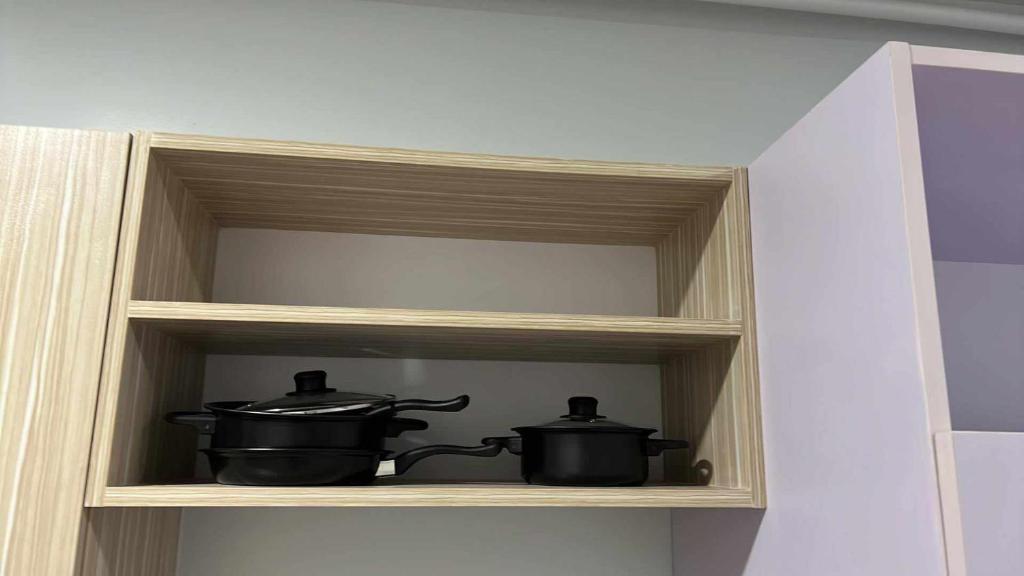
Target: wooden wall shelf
<point>390,333</point>
<point>183,190</point>
<point>477,494</point>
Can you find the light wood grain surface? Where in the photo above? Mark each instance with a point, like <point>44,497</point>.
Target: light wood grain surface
<point>167,249</point>
<point>296,186</point>
<point>256,147</point>
<point>130,542</point>
<point>60,203</point>
<point>711,396</point>
<point>495,495</point>
<point>385,333</point>
<point>182,189</point>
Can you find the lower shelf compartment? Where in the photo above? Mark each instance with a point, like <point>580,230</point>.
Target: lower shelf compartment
<point>411,494</point>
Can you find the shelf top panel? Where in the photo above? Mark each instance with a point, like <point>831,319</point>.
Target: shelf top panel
<point>411,495</point>
<point>300,186</point>
<point>391,333</point>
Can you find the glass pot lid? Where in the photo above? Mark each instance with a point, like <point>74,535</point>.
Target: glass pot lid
<point>583,416</point>
<point>312,396</point>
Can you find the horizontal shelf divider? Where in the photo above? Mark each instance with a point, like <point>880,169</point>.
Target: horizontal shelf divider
<point>413,495</point>
<point>399,333</point>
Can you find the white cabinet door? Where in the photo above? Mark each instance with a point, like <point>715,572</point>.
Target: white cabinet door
<point>850,467</point>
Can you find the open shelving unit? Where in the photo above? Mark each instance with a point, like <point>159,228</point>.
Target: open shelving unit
<point>183,190</point>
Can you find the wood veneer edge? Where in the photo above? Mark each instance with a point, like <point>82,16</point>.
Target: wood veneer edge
<point>452,159</point>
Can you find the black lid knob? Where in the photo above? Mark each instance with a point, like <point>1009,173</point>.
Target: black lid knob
<point>311,382</point>
<point>583,408</point>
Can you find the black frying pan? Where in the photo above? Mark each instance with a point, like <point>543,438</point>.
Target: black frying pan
<point>320,467</point>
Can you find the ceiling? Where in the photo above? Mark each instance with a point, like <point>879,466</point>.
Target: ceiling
<point>1003,16</point>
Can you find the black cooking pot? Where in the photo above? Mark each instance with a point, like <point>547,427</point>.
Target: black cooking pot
<point>233,428</point>
<point>320,467</point>
<point>584,449</point>
<point>243,424</point>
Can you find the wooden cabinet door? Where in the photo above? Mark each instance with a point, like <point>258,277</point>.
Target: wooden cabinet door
<point>60,207</point>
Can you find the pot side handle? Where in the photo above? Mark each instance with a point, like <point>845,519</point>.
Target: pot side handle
<point>405,460</point>
<point>514,444</point>
<point>655,446</point>
<point>454,405</point>
<point>394,427</point>
<point>205,422</point>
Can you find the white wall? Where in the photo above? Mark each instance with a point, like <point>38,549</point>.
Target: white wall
<point>660,81</point>
<point>362,270</point>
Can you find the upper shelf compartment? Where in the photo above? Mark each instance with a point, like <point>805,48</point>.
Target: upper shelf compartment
<point>686,225</point>
<point>262,184</point>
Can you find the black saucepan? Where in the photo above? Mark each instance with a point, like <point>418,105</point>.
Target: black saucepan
<point>320,467</point>
<point>583,449</point>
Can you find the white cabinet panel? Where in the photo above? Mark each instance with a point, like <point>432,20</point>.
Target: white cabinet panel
<point>990,468</point>
<point>852,488</point>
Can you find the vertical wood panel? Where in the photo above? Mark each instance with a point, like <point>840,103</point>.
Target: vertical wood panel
<point>130,542</point>
<point>168,247</point>
<point>60,192</point>
<point>711,396</point>
<point>168,244</point>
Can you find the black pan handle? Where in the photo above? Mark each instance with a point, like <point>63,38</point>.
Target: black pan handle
<point>405,460</point>
<point>655,446</point>
<point>453,405</point>
<point>396,426</point>
<point>514,444</point>
<point>205,422</point>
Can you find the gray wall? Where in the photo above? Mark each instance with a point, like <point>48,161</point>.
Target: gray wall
<point>667,81</point>
<point>648,81</point>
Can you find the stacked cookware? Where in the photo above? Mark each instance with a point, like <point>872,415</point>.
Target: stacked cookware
<point>315,435</point>
<point>319,436</point>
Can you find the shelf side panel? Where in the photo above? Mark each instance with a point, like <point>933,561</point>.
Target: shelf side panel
<point>697,270</point>
<point>130,542</point>
<point>166,250</point>
<point>168,244</point>
<point>60,204</point>
<point>849,463</point>
<point>711,396</point>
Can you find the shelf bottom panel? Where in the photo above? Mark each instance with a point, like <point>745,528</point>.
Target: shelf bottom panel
<point>410,495</point>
